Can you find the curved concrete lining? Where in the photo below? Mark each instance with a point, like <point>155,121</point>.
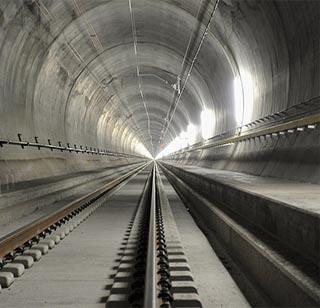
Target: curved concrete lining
<point>70,73</point>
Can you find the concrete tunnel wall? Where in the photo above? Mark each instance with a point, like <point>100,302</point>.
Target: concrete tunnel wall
<point>295,157</point>
<point>285,56</point>
<point>59,81</point>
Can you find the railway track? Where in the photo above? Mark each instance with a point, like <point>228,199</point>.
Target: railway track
<point>21,248</point>
<point>153,270</point>
<point>163,259</point>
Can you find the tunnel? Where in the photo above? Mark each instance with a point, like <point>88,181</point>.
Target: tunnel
<point>160,153</point>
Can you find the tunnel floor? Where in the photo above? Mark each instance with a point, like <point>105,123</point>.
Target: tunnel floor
<point>78,271</point>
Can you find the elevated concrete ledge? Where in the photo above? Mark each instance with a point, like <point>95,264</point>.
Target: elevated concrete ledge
<point>23,202</point>
<point>285,282</point>
<point>23,190</point>
<point>295,227</point>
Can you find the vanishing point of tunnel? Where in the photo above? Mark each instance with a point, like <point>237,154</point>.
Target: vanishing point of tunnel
<point>159,153</point>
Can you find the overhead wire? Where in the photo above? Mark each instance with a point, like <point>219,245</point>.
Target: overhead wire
<point>177,88</point>
<point>176,101</point>
<point>135,47</point>
<point>99,47</point>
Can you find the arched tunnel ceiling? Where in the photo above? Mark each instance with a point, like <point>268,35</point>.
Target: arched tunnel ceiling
<point>104,71</point>
<point>161,44</point>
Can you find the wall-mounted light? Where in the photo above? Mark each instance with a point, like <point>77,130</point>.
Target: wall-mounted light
<point>191,134</point>
<point>207,123</point>
<point>141,149</point>
<point>243,98</point>
<point>183,139</point>
<point>238,99</point>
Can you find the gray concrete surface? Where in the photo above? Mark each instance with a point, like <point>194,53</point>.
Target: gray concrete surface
<point>215,285</point>
<point>25,202</point>
<point>279,274</point>
<point>293,156</point>
<point>303,196</point>
<point>266,203</point>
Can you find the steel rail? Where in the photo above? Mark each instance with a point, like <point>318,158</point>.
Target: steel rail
<point>150,296</point>
<point>12,241</point>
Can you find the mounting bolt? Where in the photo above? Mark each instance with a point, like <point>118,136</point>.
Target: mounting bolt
<point>20,139</point>
<point>49,142</point>
<point>36,140</point>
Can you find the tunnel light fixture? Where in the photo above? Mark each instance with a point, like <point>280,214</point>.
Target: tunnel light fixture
<point>141,149</point>
<point>183,140</point>
<point>175,145</point>
<point>238,99</point>
<point>243,98</point>
<point>207,123</point>
<point>191,134</point>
